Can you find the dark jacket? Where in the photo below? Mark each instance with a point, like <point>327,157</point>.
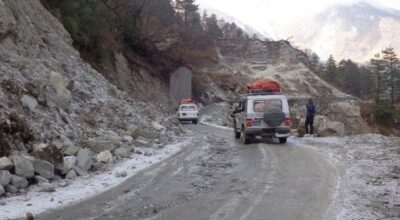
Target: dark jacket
<point>310,109</point>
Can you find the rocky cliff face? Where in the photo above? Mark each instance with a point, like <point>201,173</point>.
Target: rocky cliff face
<point>245,61</point>
<point>53,103</point>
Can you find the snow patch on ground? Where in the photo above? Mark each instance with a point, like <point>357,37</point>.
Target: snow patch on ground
<point>368,170</point>
<point>81,188</point>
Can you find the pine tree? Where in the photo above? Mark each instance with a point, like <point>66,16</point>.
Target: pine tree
<point>189,11</point>
<point>212,27</point>
<point>377,68</point>
<point>331,69</point>
<point>391,68</point>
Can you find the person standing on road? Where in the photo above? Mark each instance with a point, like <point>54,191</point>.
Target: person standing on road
<point>310,117</point>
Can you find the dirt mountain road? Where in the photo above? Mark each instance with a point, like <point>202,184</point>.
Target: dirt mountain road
<point>216,177</point>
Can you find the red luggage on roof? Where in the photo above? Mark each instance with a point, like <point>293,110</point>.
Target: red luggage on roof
<point>187,101</point>
<point>265,84</point>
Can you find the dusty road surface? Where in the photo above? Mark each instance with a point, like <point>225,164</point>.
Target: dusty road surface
<point>217,177</point>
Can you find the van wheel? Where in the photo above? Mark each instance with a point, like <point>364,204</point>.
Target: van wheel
<point>246,139</point>
<point>282,140</point>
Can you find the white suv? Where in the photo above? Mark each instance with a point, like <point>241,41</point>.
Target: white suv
<point>188,112</point>
<point>265,115</point>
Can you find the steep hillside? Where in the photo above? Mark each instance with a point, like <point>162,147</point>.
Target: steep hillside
<point>53,103</point>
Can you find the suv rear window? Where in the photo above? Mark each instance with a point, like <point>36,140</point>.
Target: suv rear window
<point>188,108</point>
<point>262,105</point>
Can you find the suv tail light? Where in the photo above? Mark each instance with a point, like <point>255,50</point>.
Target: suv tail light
<point>288,122</point>
<point>249,122</point>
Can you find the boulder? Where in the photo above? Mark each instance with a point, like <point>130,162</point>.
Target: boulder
<point>11,189</point>
<point>71,150</point>
<point>23,167</point>
<point>301,130</point>
<point>5,177</point>
<point>62,98</point>
<point>19,182</point>
<point>134,131</point>
<point>6,164</point>
<point>143,142</point>
<point>44,168</point>
<point>121,152</point>
<point>325,127</point>
<point>50,153</point>
<point>71,175</point>
<point>40,179</point>
<point>47,187</point>
<point>84,159</point>
<point>156,126</point>
<point>128,139</point>
<point>29,102</point>
<point>2,190</point>
<point>69,162</point>
<point>98,146</point>
<point>79,171</point>
<point>104,157</point>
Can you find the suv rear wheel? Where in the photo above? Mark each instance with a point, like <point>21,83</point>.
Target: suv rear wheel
<point>245,138</point>
<point>282,140</point>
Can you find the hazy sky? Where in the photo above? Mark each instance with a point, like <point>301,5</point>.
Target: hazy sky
<point>255,12</point>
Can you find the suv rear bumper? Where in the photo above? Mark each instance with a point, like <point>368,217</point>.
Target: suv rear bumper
<point>280,132</point>
<point>187,118</point>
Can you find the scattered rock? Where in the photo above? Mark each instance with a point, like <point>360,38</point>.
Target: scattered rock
<point>2,190</point>
<point>48,187</point>
<point>124,174</point>
<point>6,164</point>
<point>44,168</point>
<point>147,153</point>
<point>11,189</point>
<point>71,175</point>
<point>121,174</point>
<point>98,146</point>
<point>143,142</point>
<point>23,167</point>
<point>84,159</point>
<point>69,162</point>
<point>128,139</point>
<point>50,153</point>
<point>63,183</point>
<point>104,157</point>
<point>62,98</point>
<point>157,126</point>
<point>79,171</point>
<point>29,102</point>
<point>5,177</point>
<point>19,182</point>
<point>40,179</point>
<point>121,152</point>
<point>71,150</point>
<point>139,151</point>
<point>134,131</point>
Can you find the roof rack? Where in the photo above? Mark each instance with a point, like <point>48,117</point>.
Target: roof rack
<point>264,92</point>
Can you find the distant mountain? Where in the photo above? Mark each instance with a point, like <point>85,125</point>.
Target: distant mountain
<point>354,32</point>
<point>227,18</point>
